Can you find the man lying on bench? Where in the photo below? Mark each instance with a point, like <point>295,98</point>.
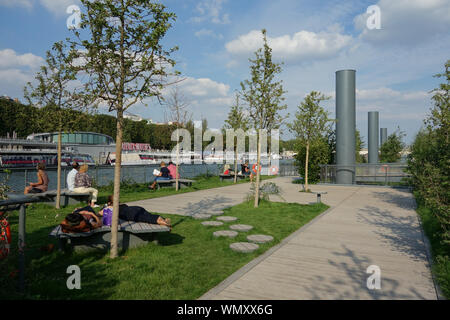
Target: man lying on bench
<point>137,214</point>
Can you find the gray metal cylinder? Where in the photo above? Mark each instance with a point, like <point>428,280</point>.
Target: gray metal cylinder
<point>383,136</point>
<point>345,126</point>
<point>373,136</point>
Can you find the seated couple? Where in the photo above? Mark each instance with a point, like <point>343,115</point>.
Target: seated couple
<point>85,219</point>
<point>165,173</point>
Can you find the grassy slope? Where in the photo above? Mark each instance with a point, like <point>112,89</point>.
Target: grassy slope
<point>188,262</point>
<point>440,252</point>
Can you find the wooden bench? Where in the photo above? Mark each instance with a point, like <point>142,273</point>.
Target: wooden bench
<point>171,183</point>
<point>67,197</point>
<point>319,195</point>
<point>131,235</point>
<point>231,177</point>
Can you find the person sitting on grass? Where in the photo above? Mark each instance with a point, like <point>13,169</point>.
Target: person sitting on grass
<point>164,174</point>
<point>137,214</point>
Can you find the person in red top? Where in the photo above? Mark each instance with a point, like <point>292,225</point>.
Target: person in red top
<point>172,170</point>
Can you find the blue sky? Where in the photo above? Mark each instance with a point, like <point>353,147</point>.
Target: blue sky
<point>313,39</point>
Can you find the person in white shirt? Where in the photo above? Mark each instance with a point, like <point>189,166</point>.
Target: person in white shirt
<point>71,176</point>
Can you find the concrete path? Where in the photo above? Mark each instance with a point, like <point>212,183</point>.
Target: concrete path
<point>202,201</point>
<point>328,258</point>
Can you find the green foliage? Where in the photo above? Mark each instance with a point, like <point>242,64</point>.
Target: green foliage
<point>390,150</point>
<point>4,188</point>
<point>319,153</point>
<point>263,94</point>
<point>311,126</point>
<point>439,249</point>
<point>429,162</point>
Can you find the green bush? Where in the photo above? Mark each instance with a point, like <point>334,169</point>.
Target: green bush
<point>318,154</point>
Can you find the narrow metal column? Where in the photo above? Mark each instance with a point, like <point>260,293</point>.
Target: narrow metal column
<point>345,126</point>
<point>373,136</point>
<point>383,136</point>
<point>21,245</point>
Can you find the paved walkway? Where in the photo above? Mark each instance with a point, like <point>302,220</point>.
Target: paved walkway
<point>328,258</point>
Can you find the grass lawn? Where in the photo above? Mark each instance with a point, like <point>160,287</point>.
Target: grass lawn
<point>187,263</point>
<point>440,251</point>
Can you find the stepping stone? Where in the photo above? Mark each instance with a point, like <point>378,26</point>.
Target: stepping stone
<point>259,238</point>
<point>226,218</point>
<point>212,223</point>
<point>215,213</point>
<point>245,247</point>
<point>225,233</point>
<point>200,216</point>
<point>241,227</point>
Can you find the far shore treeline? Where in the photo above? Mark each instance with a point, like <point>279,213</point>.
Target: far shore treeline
<point>23,119</point>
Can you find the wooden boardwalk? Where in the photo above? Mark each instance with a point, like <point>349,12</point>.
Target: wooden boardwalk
<point>328,258</point>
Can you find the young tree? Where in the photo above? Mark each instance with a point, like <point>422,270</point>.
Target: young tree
<point>236,120</point>
<point>56,91</point>
<point>126,61</point>
<point>429,162</point>
<point>390,150</point>
<point>263,95</point>
<point>177,104</point>
<point>311,123</point>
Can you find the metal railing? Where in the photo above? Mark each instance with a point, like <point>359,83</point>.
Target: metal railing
<point>366,173</point>
<point>104,175</point>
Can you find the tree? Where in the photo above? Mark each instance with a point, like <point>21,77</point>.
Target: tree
<point>311,123</point>
<point>177,104</point>
<point>236,120</point>
<point>429,162</point>
<point>263,95</point>
<point>126,62</point>
<point>318,153</point>
<point>56,92</point>
<point>390,150</point>
<point>359,144</point>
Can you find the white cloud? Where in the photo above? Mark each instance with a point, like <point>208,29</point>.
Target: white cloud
<point>21,3</point>
<point>303,45</point>
<point>208,33</point>
<point>407,22</point>
<point>210,10</point>
<point>9,59</point>
<point>58,7</point>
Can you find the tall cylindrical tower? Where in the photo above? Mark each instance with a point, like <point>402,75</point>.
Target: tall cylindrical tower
<point>383,136</point>
<point>345,126</point>
<point>373,136</point>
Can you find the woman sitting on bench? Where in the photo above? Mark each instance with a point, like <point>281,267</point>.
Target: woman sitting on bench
<point>164,174</point>
<point>137,214</point>
<point>42,184</point>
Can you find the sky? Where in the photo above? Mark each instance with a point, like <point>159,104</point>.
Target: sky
<point>395,60</point>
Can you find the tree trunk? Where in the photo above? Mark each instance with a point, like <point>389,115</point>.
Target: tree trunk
<point>58,174</point>
<point>235,164</point>
<point>117,169</point>
<point>258,164</point>
<point>178,160</point>
<point>306,166</point>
